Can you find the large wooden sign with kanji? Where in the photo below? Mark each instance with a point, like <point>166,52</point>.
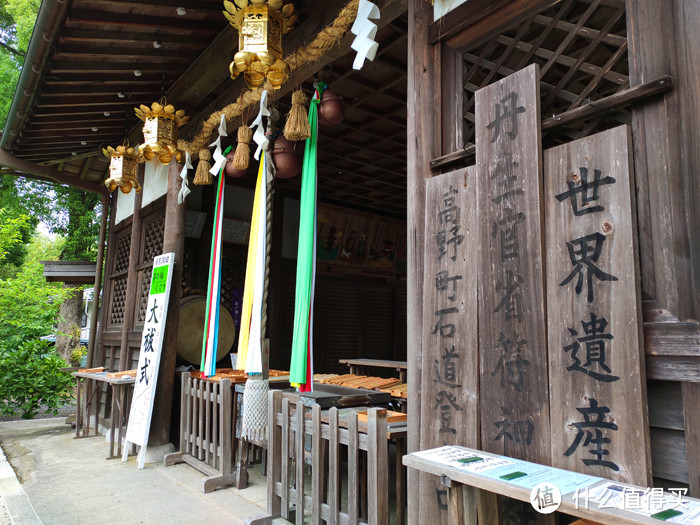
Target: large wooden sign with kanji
<point>149,357</point>
<point>513,390</point>
<point>596,374</point>
<point>449,401</point>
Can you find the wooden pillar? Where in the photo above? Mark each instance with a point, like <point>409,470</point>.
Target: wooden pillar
<point>132,284</point>
<point>423,63</point>
<point>173,241</point>
<point>666,131</point>
<point>99,355</point>
<point>691,421</point>
<point>98,280</point>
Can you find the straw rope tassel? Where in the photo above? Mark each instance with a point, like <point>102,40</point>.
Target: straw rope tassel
<point>297,126</point>
<point>241,158</point>
<point>202,175</point>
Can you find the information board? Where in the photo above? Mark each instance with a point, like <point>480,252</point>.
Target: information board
<point>149,356</point>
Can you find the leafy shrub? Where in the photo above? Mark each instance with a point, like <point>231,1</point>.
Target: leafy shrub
<point>77,355</point>
<point>31,378</point>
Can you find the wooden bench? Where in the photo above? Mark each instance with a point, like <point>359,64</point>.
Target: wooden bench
<point>361,366</point>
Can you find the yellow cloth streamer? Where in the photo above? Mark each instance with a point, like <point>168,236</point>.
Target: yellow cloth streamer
<point>251,266</point>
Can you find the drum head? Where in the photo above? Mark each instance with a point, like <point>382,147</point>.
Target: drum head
<point>191,330</point>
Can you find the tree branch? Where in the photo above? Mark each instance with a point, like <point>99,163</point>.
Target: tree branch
<point>11,49</point>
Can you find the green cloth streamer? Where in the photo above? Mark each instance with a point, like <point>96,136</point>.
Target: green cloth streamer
<point>305,257</point>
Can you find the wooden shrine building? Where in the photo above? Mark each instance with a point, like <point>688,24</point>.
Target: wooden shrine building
<point>509,205</point>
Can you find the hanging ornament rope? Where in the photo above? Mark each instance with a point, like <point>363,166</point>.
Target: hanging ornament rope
<point>254,425</point>
<point>326,39</point>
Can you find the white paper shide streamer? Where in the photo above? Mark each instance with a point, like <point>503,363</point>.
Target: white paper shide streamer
<point>259,135</point>
<point>185,187</point>
<point>365,32</point>
<point>218,156</point>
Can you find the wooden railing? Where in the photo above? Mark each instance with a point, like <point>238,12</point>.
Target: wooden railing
<point>297,432</point>
<point>206,431</point>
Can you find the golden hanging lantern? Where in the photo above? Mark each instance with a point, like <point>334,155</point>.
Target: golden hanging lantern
<point>161,122</point>
<point>122,168</point>
<point>260,25</point>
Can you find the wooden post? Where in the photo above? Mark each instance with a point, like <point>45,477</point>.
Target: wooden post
<point>173,241</point>
<point>274,452</point>
<point>132,284</point>
<point>421,114</point>
<point>666,156</point>
<point>691,421</point>
<point>108,290</point>
<point>98,280</point>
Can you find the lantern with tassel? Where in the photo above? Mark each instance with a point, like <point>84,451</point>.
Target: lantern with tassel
<point>122,168</point>
<point>161,122</point>
<point>260,25</point>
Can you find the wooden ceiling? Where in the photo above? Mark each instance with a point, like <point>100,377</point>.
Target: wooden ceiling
<point>109,56</point>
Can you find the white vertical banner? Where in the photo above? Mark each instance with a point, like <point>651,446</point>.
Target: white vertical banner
<point>149,356</point>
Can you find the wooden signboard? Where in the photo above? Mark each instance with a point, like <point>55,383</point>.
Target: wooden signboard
<point>149,356</point>
<point>513,387</point>
<point>449,401</point>
<point>597,382</point>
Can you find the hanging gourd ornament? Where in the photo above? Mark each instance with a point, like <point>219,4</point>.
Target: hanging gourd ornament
<point>161,122</point>
<point>260,25</point>
<point>330,109</point>
<point>123,163</point>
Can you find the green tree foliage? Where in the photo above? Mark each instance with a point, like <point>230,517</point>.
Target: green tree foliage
<point>10,232</point>
<point>30,374</point>
<point>31,379</point>
<point>17,19</point>
<point>75,218</point>
<point>28,304</point>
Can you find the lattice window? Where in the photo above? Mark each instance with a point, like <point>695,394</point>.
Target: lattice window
<point>145,284</point>
<point>118,301</point>
<point>122,260</point>
<point>581,47</point>
<point>153,239</point>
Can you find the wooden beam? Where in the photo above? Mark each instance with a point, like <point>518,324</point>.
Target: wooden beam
<point>67,65</point>
<point>504,17</point>
<point>50,174</point>
<point>596,107</point>
<point>87,16</point>
<point>462,17</point>
<point>85,168</point>
<point>74,34</point>
<point>190,5</point>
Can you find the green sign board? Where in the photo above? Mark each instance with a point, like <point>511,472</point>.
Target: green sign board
<point>159,280</point>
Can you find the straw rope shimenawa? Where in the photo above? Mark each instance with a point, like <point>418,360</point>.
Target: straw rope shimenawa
<point>324,41</point>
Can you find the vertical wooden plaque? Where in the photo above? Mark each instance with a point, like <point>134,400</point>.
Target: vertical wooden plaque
<point>449,401</point>
<point>514,398</point>
<point>596,362</point>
